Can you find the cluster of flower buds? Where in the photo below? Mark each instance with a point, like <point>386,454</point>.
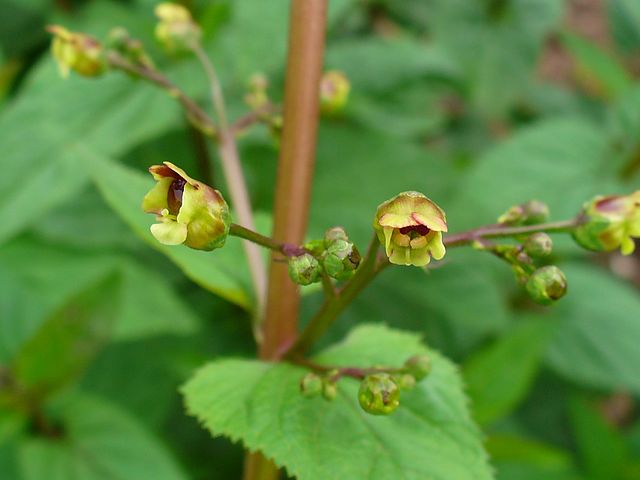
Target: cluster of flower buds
<point>544,284</point>
<point>608,223</point>
<point>188,211</point>
<point>528,213</point>
<point>258,100</point>
<point>380,388</point>
<point>119,40</point>
<point>76,51</point>
<point>334,92</point>
<point>334,254</point>
<point>410,227</point>
<point>176,29</point>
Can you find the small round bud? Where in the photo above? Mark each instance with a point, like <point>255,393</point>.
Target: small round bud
<point>335,233</point>
<point>334,91</point>
<point>538,245</point>
<point>379,394</point>
<point>304,269</point>
<point>528,213</point>
<point>311,385</point>
<point>130,48</point>
<point>547,285</point>
<point>329,390</point>
<point>405,381</point>
<point>341,259</point>
<point>419,366</point>
<point>188,211</point>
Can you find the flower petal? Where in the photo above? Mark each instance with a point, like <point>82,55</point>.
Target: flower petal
<point>156,200</point>
<point>395,220</point>
<point>628,246</point>
<point>436,247</point>
<point>169,233</point>
<point>420,257</point>
<point>434,220</point>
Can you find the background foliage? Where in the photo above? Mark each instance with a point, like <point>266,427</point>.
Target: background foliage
<point>480,104</point>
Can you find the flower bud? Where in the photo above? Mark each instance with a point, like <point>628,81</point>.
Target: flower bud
<point>311,385</point>
<point>538,245</point>
<point>76,51</point>
<point>546,285</point>
<point>340,257</point>
<point>419,366</point>
<point>410,227</point>
<point>176,29</point>
<point>610,222</point>
<point>528,213</point>
<point>304,269</point>
<point>257,96</point>
<point>334,91</point>
<point>188,211</point>
<point>127,46</point>
<point>405,381</point>
<point>329,390</point>
<point>379,394</point>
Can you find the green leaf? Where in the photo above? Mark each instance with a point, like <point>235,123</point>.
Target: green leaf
<point>596,339</point>
<point>39,278</point>
<point>519,458</point>
<point>624,16</point>
<point>495,46</point>
<point>100,443</point>
<point>499,376</point>
<point>63,347</point>
<point>536,163</point>
<point>378,65</point>
<point>431,435</point>
<point>602,449</point>
<point>600,70</point>
<point>219,271</point>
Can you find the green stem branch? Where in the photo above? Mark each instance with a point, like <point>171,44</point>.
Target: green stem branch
<point>466,238</point>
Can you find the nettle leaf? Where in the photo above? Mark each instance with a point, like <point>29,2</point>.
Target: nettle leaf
<point>431,435</point>
<point>538,162</point>
<point>219,271</point>
<point>596,340</point>
<point>500,375</point>
<point>99,442</point>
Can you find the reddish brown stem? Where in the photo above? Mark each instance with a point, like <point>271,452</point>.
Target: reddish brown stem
<point>293,189</point>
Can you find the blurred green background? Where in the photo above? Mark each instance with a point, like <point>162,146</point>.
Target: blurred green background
<point>481,104</point>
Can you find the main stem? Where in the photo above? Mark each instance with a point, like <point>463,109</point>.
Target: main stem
<point>295,172</point>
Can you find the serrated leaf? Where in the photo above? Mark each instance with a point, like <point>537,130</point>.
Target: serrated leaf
<point>219,271</point>
<point>100,443</point>
<point>499,376</point>
<point>596,339</point>
<point>431,435</point>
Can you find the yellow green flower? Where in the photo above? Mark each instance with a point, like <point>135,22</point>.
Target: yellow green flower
<point>76,51</point>
<point>610,222</point>
<point>176,29</point>
<point>187,211</point>
<point>410,227</point>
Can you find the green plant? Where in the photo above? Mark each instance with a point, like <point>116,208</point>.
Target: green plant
<point>296,406</point>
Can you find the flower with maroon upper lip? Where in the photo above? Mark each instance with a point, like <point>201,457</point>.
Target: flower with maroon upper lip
<point>610,222</point>
<point>410,227</point>
<point>187,211</point>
